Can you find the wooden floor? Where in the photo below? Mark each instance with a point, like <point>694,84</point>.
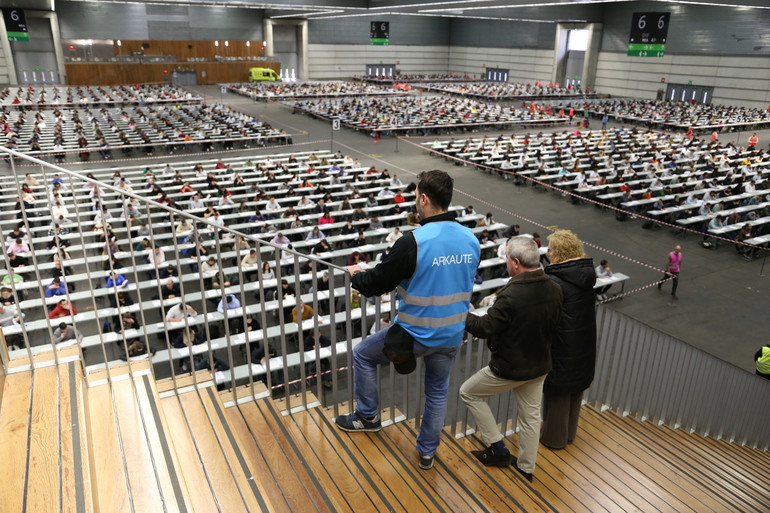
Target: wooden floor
<point>120,445</point>
<point>615,465</point>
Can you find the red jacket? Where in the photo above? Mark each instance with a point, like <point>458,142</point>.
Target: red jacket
<point>58,311</point>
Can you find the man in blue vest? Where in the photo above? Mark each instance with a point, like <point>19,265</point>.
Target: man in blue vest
<point>434,288</point>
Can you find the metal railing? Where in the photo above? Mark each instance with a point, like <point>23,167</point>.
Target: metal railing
<point>227,341</point>
<point>640,371</point>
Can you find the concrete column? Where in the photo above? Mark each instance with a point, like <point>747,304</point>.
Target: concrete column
<point>302,51</point>
<point>592,55</point>
<point>268,37</point>
<point>5,48</point>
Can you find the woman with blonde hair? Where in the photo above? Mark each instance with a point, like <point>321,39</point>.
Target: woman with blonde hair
<point>573,348</point>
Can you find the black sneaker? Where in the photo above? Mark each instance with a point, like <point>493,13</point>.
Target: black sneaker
<point>527,475</point>
<point>426,462</point>
<point>355,422</point>
<point>490,459</point>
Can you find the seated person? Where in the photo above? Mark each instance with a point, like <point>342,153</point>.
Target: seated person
<point>126,321</point>
<point>62,309</point>
<point>603,271</point>
<point>64,333</point>
<point>170,289</point>
<point>56,288</point>
<point>178,312</point>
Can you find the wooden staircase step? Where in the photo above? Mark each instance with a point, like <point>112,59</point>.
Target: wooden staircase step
<point>234,486</point>
<point>194,472</point>
<point>44,451</point>
<point>391,472</point>
<point>285,491</point>
<point>75,463</point>
<point>292,476</point>
<point>713,474</point>
<point>43,356</point>
<point>99,375</point>
<point>159,438</point>
<point>151,490</point>
<point>43,463</point>
<point>14,426</point>
<point>492,484</point>
<point>202,377</point>
<point>642,464</point>
<point>343,488</point>
<point>244,394</point>
<point>109,479</point>
<point>439,481</point>
<point>734,460</point>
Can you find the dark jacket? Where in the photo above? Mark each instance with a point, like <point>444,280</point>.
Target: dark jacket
<point>519,326</point>
<point>574,342</point>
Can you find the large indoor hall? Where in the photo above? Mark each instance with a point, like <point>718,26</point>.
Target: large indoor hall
<point>235,277</point>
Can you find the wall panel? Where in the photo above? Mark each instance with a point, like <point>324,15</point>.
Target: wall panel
<point>525,65</point>
<point>343,61</point>
<point>115,73</point>
<point>107,20</point>
<point>404,30</point>
<point>694,29</point>
<point>736,81</point>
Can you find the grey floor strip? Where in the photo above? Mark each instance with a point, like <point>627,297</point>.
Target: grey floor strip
<point>236,448</point>
<point>172,470</point>
<point>80,499</point>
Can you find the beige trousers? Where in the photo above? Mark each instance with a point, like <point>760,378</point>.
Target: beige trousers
<point>484,384</point>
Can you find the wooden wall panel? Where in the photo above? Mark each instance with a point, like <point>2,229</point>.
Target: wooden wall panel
<point>113,73</point>
<point>184,50</point>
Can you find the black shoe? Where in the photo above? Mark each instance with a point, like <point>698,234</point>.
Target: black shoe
<point>526,475</point>
<point>355,422</point>
<point>490,459</point>
<point>426,462</point>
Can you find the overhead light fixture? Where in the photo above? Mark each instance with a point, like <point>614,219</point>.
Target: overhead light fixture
<point>216,43</point>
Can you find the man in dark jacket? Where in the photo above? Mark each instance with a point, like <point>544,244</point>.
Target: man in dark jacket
<point>518,329</point>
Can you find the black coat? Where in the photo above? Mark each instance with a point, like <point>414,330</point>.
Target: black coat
<point>519,326</point>
<point>574,342</point>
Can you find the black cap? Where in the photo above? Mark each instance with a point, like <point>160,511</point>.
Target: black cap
<point>399,349</point>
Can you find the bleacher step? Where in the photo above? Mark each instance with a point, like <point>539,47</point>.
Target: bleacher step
<point>132,463</point>
<point>231,480</point>
<point>44,455</point>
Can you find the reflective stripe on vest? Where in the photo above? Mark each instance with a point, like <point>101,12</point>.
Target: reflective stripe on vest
<point>763,362</point>
<point>434,302</point>
<point>432,322</point>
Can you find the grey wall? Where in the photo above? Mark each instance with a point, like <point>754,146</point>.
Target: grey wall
<point>695,29</point>
<point>502,34</point>
<point>100,20</point>
<point>404,30</point>
<point>727,48</point>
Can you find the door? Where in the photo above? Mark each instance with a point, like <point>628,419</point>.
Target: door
<point>35,59</point>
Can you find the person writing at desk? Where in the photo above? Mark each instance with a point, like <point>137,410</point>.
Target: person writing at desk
<point>603,271</point>
<point>62,309</point>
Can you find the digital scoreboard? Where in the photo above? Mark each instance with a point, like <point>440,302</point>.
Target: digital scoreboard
<point>648,34</point>
<point>379,32</point>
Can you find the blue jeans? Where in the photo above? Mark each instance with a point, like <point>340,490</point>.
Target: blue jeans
<point>368,355</point>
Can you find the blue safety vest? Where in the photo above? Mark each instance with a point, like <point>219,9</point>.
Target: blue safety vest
<point>434,302</point>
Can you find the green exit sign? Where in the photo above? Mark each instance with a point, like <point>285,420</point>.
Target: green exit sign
<point>645,53</point>
<point>379,41</point>
<point>646,50</point>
